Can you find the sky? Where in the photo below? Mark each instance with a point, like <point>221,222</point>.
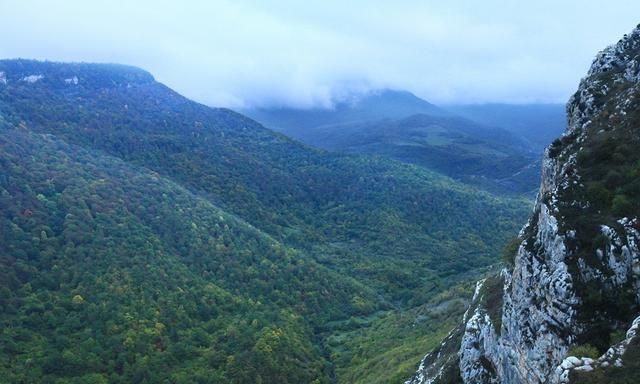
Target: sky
<point>243,54</point>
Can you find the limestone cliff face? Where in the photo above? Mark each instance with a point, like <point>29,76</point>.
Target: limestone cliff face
<point>576,274</point>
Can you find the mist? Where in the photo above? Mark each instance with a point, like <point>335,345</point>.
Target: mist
<point>243,54</point>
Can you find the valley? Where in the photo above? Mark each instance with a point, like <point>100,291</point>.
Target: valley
<point>247,192</point>
<point>120,197</point>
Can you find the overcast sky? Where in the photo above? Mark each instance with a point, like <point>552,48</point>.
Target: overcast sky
<point>308,53</point>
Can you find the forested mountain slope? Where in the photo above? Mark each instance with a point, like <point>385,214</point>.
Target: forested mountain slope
<point>114,273</point>
<point>401,126</point>
<point>538,123</point>
<point>144,233</point>
<point>485,157</point>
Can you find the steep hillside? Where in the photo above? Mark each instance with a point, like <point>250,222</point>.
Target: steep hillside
<point>570,305</point>
<point>487,157</point>
<point>112,273</point>
<point>359,205</point>
<point>125,206</point>
<point>401,126</point>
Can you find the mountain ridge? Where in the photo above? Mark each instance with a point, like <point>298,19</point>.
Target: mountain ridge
<point>400,126</point>
<point>538,123</point>
<point>566,310</point>
<point>285,244</point>
<point>371,105</point>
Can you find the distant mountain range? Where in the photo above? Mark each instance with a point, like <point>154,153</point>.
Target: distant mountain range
<point>497,147</point>
<point>370,106</point>
<point>540,124</point>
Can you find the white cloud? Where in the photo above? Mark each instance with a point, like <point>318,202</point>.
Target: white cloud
<point>235,53</point>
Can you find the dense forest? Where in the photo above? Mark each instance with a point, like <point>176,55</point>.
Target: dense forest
<point>496,148</point>
<point>148,238</point>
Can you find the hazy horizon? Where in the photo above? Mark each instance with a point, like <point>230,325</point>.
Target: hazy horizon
<point>246,54</point>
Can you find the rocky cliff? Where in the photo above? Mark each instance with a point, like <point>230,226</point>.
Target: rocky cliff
<point>569,303</point>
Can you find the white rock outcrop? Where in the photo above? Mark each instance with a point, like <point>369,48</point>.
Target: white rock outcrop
<point>71,81</point>
<point>32,78</point>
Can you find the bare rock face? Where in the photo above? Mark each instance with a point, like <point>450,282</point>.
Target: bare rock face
<point>576,274</point>
<point>478,346</point>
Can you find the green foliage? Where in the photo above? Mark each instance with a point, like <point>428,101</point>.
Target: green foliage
<point>609,165</point>
<point>365,208</point>
<point>388,346</point>
<point>125,284</point>
<point>147,238</point>
<point>617,336</point>
<point>510,250</point>
<point>621,205</point>
<point>492,299</point>
<point>555,148</point>
<point>599,195</point>
<point>583,350</point>
<point>491,158</point>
